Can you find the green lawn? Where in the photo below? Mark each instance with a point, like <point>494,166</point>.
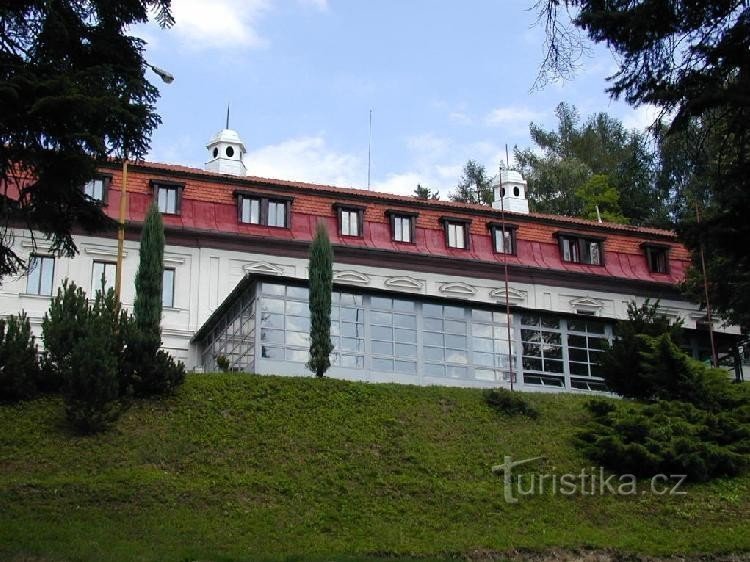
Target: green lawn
<point>239,467</point>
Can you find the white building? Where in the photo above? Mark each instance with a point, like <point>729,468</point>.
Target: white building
<point>420,292</point>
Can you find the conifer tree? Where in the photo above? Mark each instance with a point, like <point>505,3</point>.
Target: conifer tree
<point>321,286</point>
<point>149,279</point>
<point>150,370</point>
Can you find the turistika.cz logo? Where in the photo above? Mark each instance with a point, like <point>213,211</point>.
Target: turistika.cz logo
<point>589,481</point>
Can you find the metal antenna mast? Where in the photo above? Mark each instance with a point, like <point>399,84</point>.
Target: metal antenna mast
<point>227,117</point>
<point>369,152</point>
<point>509,239</point>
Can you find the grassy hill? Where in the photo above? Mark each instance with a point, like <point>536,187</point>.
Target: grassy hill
<point>239,467</point>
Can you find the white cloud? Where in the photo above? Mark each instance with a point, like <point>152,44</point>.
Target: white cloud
<point>460,117</point>
<point>641,117</point>
<point>427,143</point>
<point>308,159</point>
<point>512,115</point>
<point>433,161</point>
<point>402,184</point>
<point>219,23</point>
<point>321,5</point>
<point>175,151</point>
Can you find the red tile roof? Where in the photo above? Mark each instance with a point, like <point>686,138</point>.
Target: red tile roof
<point>209,205</point>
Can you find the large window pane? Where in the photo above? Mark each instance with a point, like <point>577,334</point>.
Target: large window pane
<point>167,292</point>
<point>40,275</point>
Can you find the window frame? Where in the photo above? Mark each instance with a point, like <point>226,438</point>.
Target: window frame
<point>412,216</point>
<point>263,200</point>
<point>178,188</point>
<point>38,290</point>
<point>174,283</point>
<point>447,222</point>
<point>105,263</point>
<point>650,249</point>
<point>580,240</point>
<point>240,202</point>
<point>340,209</point>
<point>512,229</point>
<point>106,180</point>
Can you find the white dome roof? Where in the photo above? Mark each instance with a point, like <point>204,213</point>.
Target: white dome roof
<point>228,136</point>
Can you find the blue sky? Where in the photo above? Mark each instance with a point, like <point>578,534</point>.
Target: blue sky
<point>447,81</point>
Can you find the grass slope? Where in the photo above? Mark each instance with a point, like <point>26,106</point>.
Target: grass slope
<point>252,468</point>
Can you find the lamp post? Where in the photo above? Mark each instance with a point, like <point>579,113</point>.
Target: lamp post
<point>167,78</point>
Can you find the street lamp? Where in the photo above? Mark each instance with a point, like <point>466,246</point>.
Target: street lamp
<point>167,78</point>
<point>161,73</point>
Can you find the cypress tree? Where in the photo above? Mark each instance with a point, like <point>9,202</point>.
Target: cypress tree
<point>149,279</point>
<point>148,369</point>
<point>321,286</point>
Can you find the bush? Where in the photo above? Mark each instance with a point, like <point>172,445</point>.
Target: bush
<point>510,403</point>
<point>92,386</point>
<point>19,368</point>
<point>667,437</point>
<point>674,375</point>
<point>63,325</point>
<point>623,365</point>
<point>151,371</point>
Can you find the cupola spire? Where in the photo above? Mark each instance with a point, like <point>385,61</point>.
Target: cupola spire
<point>226,152</point>
<point>510,192</point>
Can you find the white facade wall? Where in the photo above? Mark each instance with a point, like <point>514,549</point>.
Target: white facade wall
<point>205,276</point>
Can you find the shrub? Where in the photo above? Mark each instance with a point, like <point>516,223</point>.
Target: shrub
<point>222,363</point>
<point>667,437</point>
<point>63,325</point>
<point>623,365</point>
<point>152,371</point>
<point>510,403</point>
<point>92,386</point>
<point>673,375</point>
<point>19,368</point>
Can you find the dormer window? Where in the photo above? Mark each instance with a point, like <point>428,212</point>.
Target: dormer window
<point>657,257</point>
<point>350,219</point>
<point>249,210</point>
<point>254,208</point>
<point>577,248</point>
<point>168,196</point>
<point>277,211</point>
<point>503,237</point>
<point>403,226</point>
<point>96,188</point>
<point>456,232</point>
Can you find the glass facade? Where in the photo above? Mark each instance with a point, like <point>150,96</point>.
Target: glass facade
<point>409,339</point>
<point>232,337</point>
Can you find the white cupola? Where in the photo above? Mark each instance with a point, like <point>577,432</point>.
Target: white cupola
<point>510,192</point>
<point>226,152</point>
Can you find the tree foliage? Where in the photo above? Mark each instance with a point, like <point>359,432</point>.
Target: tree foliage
<point>19,368</point>
<point>667,437</point>
<point>92,387</point>
<point>475,186</point>
<point>321,287</point>
<point>149,278</point>
<point>623,363</point>
<point>599,150</point>
<point>63,325</point>
<point>72,90</point>
<point>150,370</point>
<point>692,61</point>
<point>423,192</point>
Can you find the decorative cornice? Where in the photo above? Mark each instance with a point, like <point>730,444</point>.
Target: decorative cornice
<point>404,282</point>
<point>351,276</point>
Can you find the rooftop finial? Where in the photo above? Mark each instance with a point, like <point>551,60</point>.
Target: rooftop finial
<point>227,116</point>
